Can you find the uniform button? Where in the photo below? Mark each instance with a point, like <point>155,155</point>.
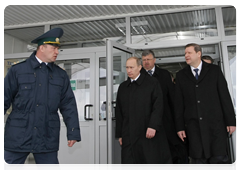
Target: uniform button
<point>196,85</point>
<point>40,67</point>
<point>198,101</point>
<point>35,128</point>
<point>37,105</point>
<point>200,118</point>
<point>39,84</point>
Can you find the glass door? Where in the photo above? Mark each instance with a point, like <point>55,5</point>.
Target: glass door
<point>229,63</point>
<point>80,68</point>
<point>116,73</point>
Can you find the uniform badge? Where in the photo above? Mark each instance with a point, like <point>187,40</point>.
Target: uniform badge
<point>57,40</point>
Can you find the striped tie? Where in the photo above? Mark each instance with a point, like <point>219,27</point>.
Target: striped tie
<point>196,70</point>
<point>150,72</point>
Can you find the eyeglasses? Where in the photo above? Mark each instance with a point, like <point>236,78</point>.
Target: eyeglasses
<point>147,59</point>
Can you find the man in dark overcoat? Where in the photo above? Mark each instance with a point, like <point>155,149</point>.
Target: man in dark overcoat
<point>204,111</point>
<point>177,147</point>
<point>139,109</point>
<point>37,88</point>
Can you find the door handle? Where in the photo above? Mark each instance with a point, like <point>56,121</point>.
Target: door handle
<point>113,113</point>
<point>114,107</point>
<point>85,111</point>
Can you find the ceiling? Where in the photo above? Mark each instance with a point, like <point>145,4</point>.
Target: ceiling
<point>81,23</point>
<point>90,25</point>
<point>23,15</point>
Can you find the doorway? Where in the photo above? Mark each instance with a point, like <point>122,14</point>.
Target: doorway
<point>88,71</point>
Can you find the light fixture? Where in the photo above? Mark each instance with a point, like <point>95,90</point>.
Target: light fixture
<point>135,25</point>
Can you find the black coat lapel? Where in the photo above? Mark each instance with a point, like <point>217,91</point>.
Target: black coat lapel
<point>188,72</point>
<point>203,73</point>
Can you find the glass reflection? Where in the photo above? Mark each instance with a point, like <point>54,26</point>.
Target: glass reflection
<point>229,20</point>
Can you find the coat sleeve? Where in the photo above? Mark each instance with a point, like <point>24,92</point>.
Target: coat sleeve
<point>119,116</point>
<point>68,109</point>
<point>10,89</point>
<point>179,107</point>
<point>226,101</point>
<point>155,121</point>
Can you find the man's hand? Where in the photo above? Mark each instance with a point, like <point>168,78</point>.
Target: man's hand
<point>120,141</point>
<point>150,133</point>
<point>71,143</point>
<point>182,135</point>
<point>231,129</point>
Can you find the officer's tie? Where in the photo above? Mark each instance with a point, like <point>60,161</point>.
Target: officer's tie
<point>196,70</point>
<point>150,72</point>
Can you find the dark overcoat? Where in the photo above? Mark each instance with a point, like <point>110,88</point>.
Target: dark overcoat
<point>139,106</point>
<point>203,108</point>
<point>164,78</point>
<point>36,92</point>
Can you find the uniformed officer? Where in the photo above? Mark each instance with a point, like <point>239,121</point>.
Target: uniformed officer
<point>37,88</point>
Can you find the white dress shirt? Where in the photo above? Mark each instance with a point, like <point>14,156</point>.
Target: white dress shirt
<point>153,69</point>
<point>40,61</point>
<point>135,78</point>
<point>199,69</point>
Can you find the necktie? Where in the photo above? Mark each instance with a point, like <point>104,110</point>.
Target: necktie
<point>132,83</point>
<point>150,72</point>
<point>196,70</point>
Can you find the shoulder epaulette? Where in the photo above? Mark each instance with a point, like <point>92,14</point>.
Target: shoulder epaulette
<point>19,61</point>
<point>59,66</point>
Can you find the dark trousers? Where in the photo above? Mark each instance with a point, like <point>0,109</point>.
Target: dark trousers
<point>211,160</point>
<point>40,158</point>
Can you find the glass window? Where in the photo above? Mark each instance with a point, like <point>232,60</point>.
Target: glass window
<point>91,33</point>
<point>174,26</point>
<point>19,40</point>
<point>79,75</point>
<point>229,20</point>
<point>232,65</point>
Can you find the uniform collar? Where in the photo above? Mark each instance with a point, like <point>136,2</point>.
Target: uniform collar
<point>39,60</point>
<point>35,63</point>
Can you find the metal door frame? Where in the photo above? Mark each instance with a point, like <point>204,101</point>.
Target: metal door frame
<point>75,54</point>
<point>110,45</point>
